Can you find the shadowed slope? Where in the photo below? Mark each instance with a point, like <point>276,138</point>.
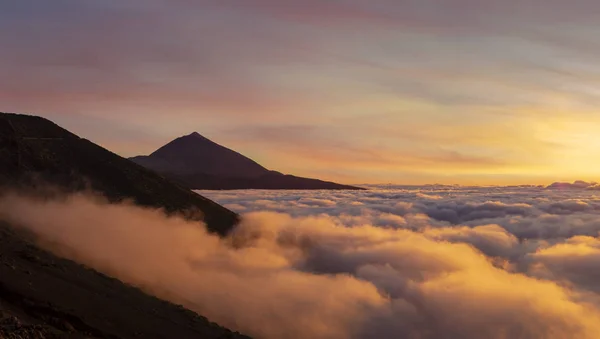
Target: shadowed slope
<point>43,296</point>
<point>33,149</point>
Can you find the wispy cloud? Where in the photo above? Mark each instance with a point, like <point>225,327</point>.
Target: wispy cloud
<point>484,84</point>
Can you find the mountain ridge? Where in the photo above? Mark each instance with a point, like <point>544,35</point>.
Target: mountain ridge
<point>35,151</point>
<point>200,163</point>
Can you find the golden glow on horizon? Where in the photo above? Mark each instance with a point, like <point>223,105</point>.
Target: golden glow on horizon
<point>362,99</point>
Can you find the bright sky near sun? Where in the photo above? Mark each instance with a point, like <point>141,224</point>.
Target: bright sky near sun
<point>403,91</point>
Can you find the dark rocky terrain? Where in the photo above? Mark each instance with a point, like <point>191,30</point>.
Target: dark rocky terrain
<point>199,163</point>
<point>43,296</point>
<point>35,152</point>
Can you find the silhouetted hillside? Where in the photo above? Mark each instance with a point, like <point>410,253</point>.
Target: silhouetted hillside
<point>199,163</point>
<point>34,150</point>
<point>43,296</point>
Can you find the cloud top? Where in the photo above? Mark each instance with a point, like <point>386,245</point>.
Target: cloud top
<point>336,269</point>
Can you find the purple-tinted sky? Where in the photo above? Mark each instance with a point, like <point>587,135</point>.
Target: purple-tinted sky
<point>450,91</point>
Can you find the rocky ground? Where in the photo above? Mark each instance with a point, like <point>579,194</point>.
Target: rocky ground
<point>43,296</point>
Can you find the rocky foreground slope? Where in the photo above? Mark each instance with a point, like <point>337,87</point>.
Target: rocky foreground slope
<point>34,152</point>
<point>44,296</point>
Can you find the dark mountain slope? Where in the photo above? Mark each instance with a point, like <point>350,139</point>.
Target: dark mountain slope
<point>271,181</point>
<point>33,150</point>
<point>199,163</point>
<point>43,296</point>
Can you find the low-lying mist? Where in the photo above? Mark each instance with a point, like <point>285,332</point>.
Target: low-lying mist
<point>282,276</point>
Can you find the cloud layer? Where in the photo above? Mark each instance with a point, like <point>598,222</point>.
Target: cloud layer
<point>384,263</point>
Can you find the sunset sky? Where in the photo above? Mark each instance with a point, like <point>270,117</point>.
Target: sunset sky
<point>357,91</point>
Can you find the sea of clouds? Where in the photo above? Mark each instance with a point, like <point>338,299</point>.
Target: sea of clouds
<point>389,262</point>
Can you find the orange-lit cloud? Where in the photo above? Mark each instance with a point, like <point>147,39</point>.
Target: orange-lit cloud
<point>311,276</point>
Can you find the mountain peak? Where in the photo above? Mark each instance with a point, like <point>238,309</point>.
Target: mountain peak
<point>195,137</point>
<point>201,163</point>
<point>194,153</point>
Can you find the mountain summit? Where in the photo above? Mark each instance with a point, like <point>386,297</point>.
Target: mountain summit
<point>194,153</point>
<point>200,163</point>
